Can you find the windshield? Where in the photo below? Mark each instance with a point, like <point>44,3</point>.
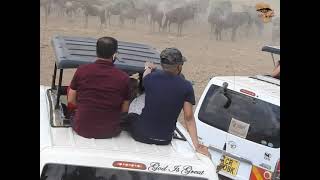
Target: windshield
<point>262,117</point>
<point>72,172</point>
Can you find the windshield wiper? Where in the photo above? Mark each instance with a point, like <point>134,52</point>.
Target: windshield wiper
<point>228,99</point>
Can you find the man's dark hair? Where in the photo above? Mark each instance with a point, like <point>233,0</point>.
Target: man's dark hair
<point>106,47</point>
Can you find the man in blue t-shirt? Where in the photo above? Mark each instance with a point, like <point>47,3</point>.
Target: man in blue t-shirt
<point>166,93</point>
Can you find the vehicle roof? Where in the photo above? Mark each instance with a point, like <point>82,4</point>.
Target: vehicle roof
<point>271,49</point>
<point>65,137</point>
<point>123,144</point>
<point>257,84</point>
<point>74,51</point>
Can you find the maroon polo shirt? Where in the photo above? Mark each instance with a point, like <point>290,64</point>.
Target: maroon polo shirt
<point>101,89</point>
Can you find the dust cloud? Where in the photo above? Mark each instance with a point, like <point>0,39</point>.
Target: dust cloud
<point>207,56</point>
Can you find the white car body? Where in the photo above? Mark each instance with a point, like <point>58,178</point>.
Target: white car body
<point>248,153</point>
<point>61,145</point>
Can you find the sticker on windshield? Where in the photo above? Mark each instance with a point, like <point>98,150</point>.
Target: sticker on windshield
<point>238,128</point>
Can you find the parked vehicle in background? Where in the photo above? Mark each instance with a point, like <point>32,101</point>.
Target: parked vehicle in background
<point>238,118</point>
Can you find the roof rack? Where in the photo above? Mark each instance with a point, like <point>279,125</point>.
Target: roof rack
<point>271,49</point>
<point>72,52</point>
<point>266,78</point>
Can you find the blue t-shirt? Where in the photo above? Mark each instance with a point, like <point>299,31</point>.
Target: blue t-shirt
<point>165,96</point>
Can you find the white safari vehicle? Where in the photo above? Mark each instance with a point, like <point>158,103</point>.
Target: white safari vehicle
<point>66,156</point>
<point>238,118</point>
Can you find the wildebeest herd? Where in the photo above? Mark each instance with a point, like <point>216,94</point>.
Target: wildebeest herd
<point>162,14</point>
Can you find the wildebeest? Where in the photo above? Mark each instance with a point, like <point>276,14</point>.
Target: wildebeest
<point>94,10</point>
<point>72,7</point>
<point>179,16</point>
<point>224,6</point>
<point>254,19</point>
<point>226,21</point>
<point>214,18</point>
<point>201,10</point>
<point>116,8</point>
<point>156,16</point>
<point>46,4</point>
<point>59,6</point>
<point>113,10</point>
<point>218,10</point>
<point>131,14</point>
<point>276,29</point>
<point>69,8</point>
<point>203,5</point>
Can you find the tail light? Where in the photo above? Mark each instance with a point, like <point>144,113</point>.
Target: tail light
<point>276,174</point>
<point>258,173</point>
<point>250,93</point>
<point>130,165</point>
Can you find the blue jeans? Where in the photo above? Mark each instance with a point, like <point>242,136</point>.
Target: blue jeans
<point>128,126</point>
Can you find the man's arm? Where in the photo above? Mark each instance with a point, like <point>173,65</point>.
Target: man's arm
<point>72,97</point>
<point>72,91</point>
<point>276,72</point>
<point>148,67</point>
<point>146,72</point>
<point>126,96</point>
<point>125,106</point>
<point>192,129</point>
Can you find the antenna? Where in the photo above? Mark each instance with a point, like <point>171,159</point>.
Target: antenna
<point>234,75</point>
<point>234,83</point>
<point>234,80</point>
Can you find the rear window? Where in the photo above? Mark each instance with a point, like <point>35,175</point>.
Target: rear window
<point>263,118</point>
<point>71,172</point>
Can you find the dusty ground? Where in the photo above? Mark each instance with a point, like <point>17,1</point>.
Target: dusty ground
<point>206,57</point>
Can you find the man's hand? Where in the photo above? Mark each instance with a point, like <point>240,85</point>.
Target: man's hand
<point>149,65</point>
<point>72,96</point>
<point>202,149</point>
<point>125,106</point>
<point>192,130</point>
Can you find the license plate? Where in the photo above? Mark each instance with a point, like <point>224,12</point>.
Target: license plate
<point>230,166</point>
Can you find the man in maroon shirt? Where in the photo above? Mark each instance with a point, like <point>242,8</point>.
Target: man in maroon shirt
<point>101,93</point>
